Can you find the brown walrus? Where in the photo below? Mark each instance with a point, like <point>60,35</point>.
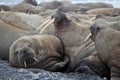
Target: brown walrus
<point>38,51</point>
<point>22,7</point>
<point>92,5</point>
<point>33,2</point>
<point>50,5</point>
<point>4,8</point>
<point>22,20</point>
<point>83,7</point>
<point>113,24</point>
<point>93,63</point>
<point>107,43</point>
<point>107,18</point>
<point>105,11</point>
<point>73,36</point>
<point>8,34</point>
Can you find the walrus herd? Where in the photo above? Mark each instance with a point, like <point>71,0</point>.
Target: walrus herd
<point>84,43</point>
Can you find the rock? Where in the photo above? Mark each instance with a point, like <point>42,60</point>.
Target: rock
<point>11,73</point>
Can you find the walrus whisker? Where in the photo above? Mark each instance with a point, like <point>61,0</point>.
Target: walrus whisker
<point>50,22</point>
<point>35,59</point>
<point>43,24</point>
<point>25,64</point>
<point>88,37</point>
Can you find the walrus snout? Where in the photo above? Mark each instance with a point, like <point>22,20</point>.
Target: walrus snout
<point>59,17</point>
<point>26,57</point>
<point>94,30</point>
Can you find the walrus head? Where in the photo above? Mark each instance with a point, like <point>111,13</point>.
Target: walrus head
<point>97,26</point>
<point>24,53</point>
<point>61,20</point>
<point>94,30</point>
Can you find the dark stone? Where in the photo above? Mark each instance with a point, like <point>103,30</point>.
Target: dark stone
<point>11,73</point>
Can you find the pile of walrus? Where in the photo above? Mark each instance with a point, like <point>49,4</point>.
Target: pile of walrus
<point>66,45</point>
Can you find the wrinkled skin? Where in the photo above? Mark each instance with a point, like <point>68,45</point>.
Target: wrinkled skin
<point>38,51</point>
<point>93,64</point>
<point>8,34</point>
<point>107,43</point>
<point>73,36</point>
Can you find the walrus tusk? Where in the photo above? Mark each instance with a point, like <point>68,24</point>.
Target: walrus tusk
<point>35,59</point>
<point>25,64</point>
<point>43,24</point>
<point>88,37</point>
<point>50,22</point>
<point>92,19</point>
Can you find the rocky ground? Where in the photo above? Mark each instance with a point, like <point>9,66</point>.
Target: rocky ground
<point>10,73</point>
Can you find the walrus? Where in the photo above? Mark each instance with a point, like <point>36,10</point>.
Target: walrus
<point>38,51</point>
<point>73,36</point>
<point>83,7</point>
<point>105,11</point>
<point>107,43</point>
<point>22,20</point>
<point>50,5</point>
<point>8,34</point>
<point>91,63</point>
<point>33,2</point>
<point>93,5</point>
<point>21,7</point>
<point>107,18</point>
<point>103,22</point>
<point>4,8</point>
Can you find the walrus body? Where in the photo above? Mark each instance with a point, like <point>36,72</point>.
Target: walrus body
<point>22,7</point>
<point>73,36</point>
<point>100,63</point>
<point>8,34</point>
<point>113,24</point>
<point>33,2</point>
<point>51,5</point>
<point>107,43</point>
<point>4,8</point>
<point>38,51</point>
<point>88,6</point>
<point>83,7</point>
<point>108,18</point>
<point>22,20</point>
<point>105,11</point>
